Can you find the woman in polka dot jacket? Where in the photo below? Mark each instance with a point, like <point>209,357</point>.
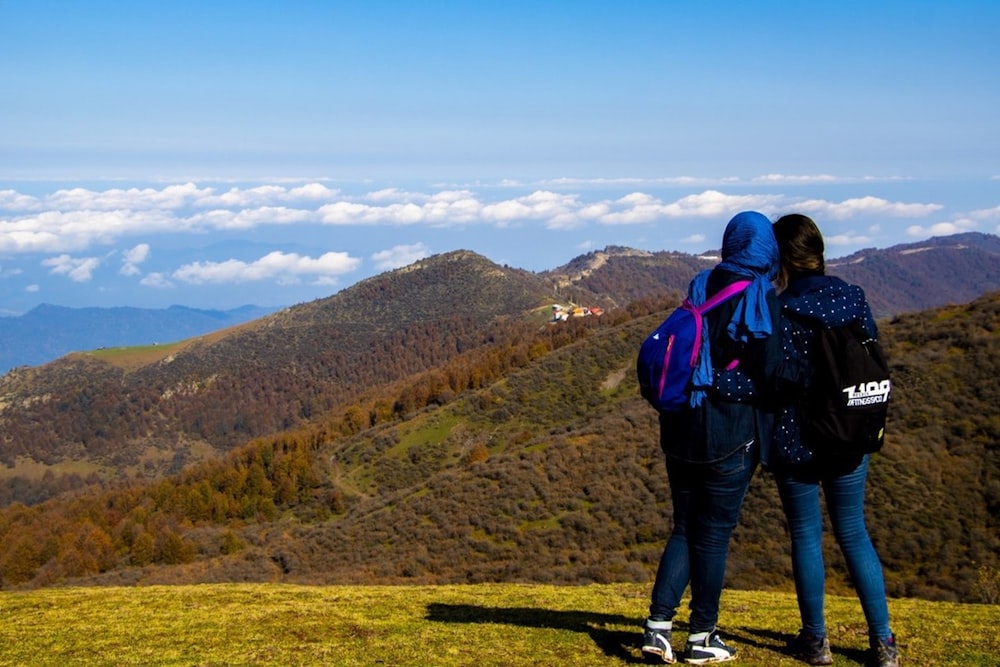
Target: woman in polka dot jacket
<point>810,300</point>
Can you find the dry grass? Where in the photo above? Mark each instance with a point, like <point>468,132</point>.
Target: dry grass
<point>510,625</point>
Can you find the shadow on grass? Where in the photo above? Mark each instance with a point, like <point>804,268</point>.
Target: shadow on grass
<point>621,644</point>
<point>778,642</point>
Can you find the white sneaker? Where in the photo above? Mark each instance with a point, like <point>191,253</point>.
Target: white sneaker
<point>707,647</point>
<point>656,641</point>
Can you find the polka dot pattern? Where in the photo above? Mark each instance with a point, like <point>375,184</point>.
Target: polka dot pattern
<point>807,305</point>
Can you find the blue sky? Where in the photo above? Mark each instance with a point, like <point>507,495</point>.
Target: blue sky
<point>213,154</point>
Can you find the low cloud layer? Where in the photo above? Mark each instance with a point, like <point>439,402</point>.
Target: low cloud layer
<point>75,233</point>
<point>78,219</point>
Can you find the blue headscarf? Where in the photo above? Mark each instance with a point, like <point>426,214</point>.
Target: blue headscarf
<point>750,251</point>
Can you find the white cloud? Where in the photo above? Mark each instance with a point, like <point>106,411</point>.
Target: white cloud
<point>445,208</point>
<point>558,210</point>
<point>639,207</point>
<point>638,199</point>
<point>75,220</point>
<point>694,238</point>
<point>269,195</point>
<point>593,211</point>
<point>635,208</point>
<point>986,214</point>
<point>564,182</point>
<point>715,204</point>
<point>77,269</point>
<point>942,228</point>
<point>785,178</point>
<point>848,239</point>
<point>138,254</point>
<point>314,191</point>
<point>249,218</point>
<point>182,196</point>
<point>672,181</point>
<point>869,205</point>
<point>822,179</point>
<point>131,259</point>
<point>32,289</point>
<point>155,280</point>
<point>169,197</point>
<point>12,200</point>
<point>72,231</point>
<point>393,194</point>
<point>400,255</point>
<point>279,266</point>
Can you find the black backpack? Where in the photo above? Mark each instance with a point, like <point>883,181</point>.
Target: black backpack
<point>844,411</point>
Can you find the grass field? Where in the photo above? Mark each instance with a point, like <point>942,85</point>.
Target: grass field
<point>510,625</point>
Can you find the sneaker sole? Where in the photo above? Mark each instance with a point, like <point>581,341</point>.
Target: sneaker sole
<point>706,661</point>
<point>657,653</point>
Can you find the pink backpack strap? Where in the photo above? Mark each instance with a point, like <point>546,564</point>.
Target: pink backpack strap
<point>724,294</point>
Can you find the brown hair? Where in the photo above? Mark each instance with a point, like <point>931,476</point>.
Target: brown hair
<point>800,244</point>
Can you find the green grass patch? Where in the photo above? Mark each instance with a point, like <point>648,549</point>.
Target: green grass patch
<point>31,469</point>
<point>510,625</point>
<point>541,524</point>
<point>131,358</point>
<point>433,430</point>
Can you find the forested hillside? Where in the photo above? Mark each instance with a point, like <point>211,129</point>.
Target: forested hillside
<point>537,446</point>
<point>151,411</point>
<point>147,412</point>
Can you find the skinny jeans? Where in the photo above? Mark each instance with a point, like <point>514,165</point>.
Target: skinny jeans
<point>845,500</point>
<point>707,498</point>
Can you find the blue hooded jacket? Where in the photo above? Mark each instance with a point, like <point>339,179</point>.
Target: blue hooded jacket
<point>733,409</point>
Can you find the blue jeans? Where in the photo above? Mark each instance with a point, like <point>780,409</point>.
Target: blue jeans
<point>845,501</point>
<point>706,500</point>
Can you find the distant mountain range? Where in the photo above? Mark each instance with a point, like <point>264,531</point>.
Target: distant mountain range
<point>903,278</point>
<point>49,332</point>
<point>899,279</point>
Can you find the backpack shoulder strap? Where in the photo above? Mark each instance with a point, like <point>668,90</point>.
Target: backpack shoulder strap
<point>724,294</point>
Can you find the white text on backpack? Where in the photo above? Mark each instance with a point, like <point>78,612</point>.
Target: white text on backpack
<point>868,393</point>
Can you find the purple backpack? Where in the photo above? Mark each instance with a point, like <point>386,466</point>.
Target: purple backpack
<point>669,355</point>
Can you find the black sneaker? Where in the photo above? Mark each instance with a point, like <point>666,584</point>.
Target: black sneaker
<point>707,650</point>
<point>656,642</point>
<point>884,652</point>
<point>811,649</point>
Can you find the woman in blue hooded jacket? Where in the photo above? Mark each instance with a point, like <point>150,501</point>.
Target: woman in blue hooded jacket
<point>713,446</point>
<point>811,300</point>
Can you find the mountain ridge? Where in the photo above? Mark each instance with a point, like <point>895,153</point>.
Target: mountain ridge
<point>215,392</point>
<point>900,278</point>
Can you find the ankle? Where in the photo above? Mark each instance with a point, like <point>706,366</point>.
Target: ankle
<point>694,637</point>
